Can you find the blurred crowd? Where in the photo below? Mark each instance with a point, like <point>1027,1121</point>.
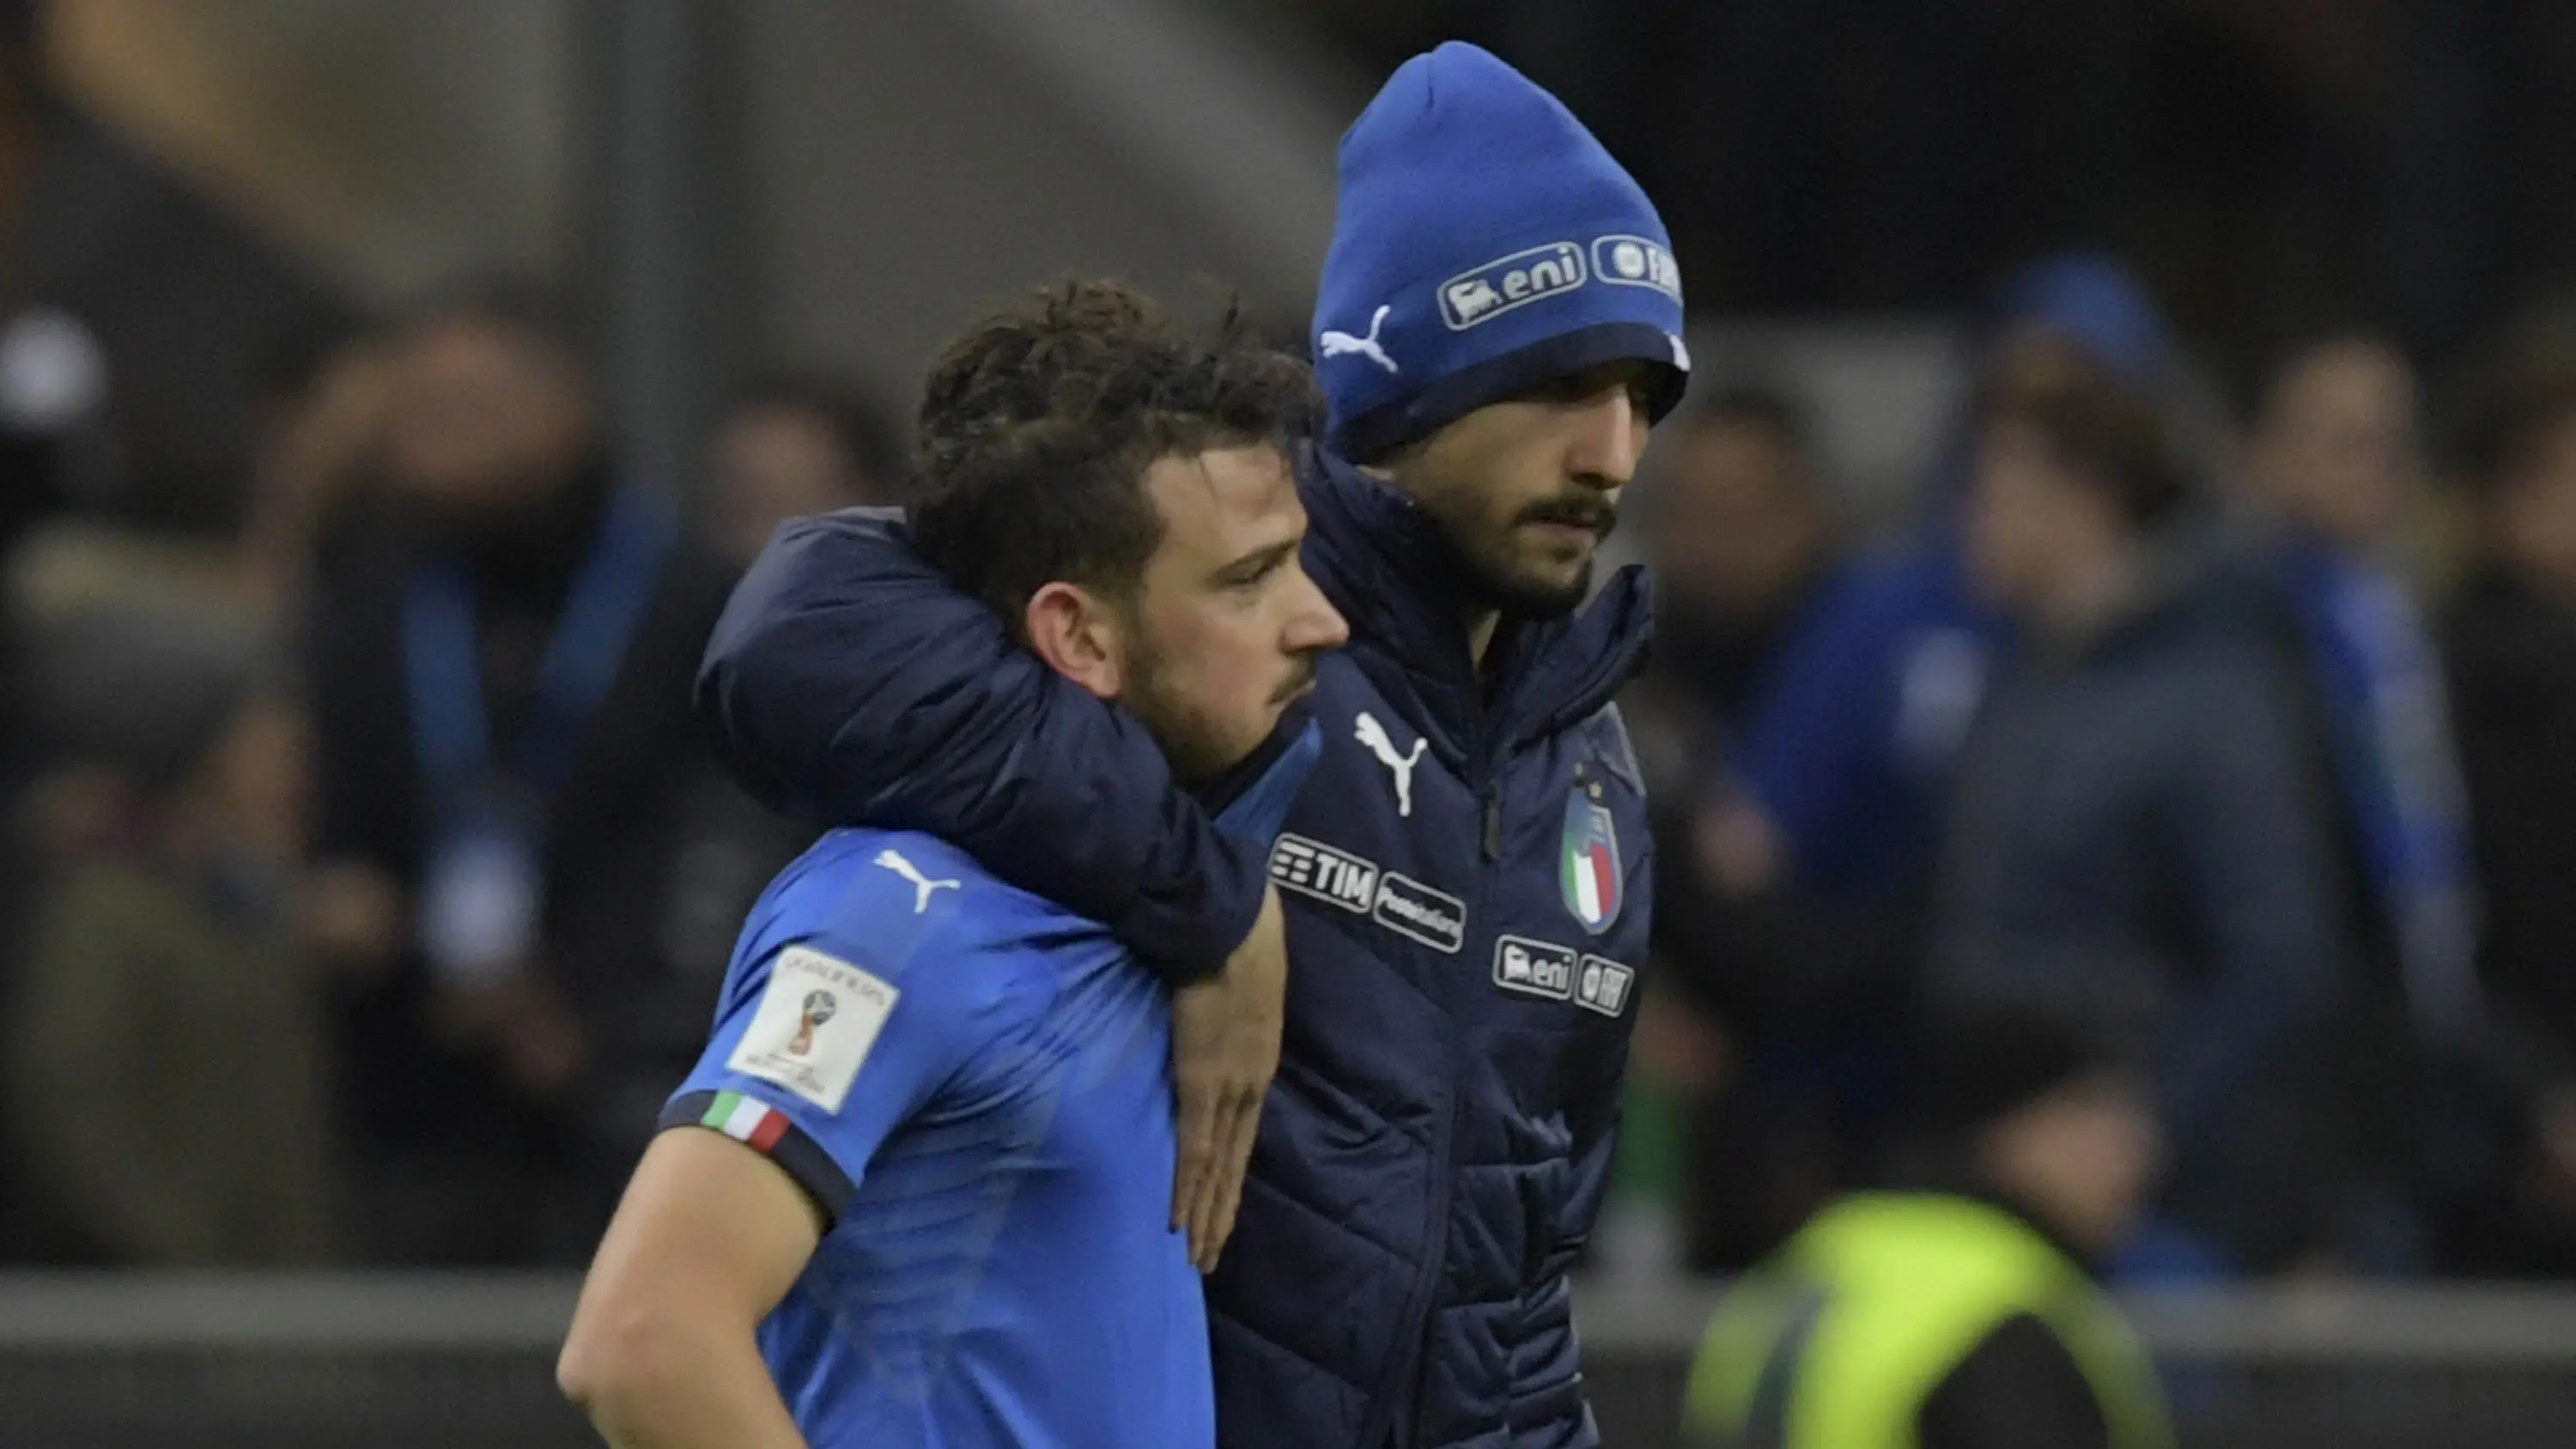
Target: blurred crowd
<point>368,880</point>
<point>364,879</point>
<point>2234,738</point>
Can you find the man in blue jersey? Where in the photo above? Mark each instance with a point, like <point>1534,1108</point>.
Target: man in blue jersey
<point>917,1191</point>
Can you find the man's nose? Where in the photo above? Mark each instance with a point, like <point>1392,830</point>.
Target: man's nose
<point>1610,437</point>
<point>1313,623</point>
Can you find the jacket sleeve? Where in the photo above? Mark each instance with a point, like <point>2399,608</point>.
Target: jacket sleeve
<point>2250,830</point>
<point>849,680</point>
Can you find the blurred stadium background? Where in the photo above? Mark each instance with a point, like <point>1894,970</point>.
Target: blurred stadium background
<point>270,268</point>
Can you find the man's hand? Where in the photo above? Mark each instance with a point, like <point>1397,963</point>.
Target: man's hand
<point>1225,1049</point>
<point>352,915</point>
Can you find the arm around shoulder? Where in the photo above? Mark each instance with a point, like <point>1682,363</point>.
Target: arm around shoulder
<point>850,679</point>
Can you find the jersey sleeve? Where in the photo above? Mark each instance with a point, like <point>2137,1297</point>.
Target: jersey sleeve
<point>815,1059</point>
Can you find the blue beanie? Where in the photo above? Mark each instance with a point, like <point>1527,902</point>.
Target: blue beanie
<point>1484,244</point>
<point>2094,301</point>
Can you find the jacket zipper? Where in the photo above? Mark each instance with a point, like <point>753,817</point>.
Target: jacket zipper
<point>1382,1427</point>
<point>1395,1394</point>
<point>1385,1425</point>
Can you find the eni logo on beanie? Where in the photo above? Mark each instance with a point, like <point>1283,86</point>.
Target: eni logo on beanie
<point>1481,294</point>
<point>1484,245</point>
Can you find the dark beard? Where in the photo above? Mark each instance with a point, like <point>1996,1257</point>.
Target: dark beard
<point>1489,586</point>
<point>1485,575</point>
<point>1188,741</point>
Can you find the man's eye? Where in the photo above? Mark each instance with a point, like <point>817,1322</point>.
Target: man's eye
<point>1256,575</point>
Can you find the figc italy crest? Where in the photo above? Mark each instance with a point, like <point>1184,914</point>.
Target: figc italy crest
<point>1589,867</point>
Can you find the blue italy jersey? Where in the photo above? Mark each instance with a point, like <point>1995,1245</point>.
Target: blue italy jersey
<point>975,1085</point>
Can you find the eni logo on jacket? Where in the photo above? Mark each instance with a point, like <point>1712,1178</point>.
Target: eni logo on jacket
<point>1589,862</point>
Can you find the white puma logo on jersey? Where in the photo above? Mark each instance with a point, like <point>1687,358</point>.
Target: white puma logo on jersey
<point>1340,344</point>
<point>921,886</point>
<point>1373,735</point>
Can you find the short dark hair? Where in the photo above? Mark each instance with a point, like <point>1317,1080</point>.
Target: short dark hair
<point>1039,423</point>
<point>858,426</point>
<point>2094,424</point>
<point>1980,1062</point>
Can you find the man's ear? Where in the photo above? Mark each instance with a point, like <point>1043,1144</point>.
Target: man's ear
<point>1079,636</point>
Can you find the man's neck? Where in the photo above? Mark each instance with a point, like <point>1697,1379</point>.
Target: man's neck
<point>1482,625</point>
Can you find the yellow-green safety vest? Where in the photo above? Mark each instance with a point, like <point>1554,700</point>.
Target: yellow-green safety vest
<point>1843,1334</point>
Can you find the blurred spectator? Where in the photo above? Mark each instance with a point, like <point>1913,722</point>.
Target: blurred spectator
<point>790,447</point>
<point>1819,832</point>
<point>1959,1312</point>
<point>502,654</point>
<point>2137,795</point>
<point>132,313</point>
<point>1742,539</point>
<point>2332,456</point>
<point>165,1048</point>
<point>322,395</point>
<point>1848,749</point>
<point>2332,447</point>
<point>1742,533</point>
<point>2509,643</point>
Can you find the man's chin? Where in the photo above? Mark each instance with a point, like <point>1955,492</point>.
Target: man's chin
<point>1537,595</point>
<point>1221,786</point>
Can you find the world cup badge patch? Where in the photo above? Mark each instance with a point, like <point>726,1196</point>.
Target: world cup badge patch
<point>1589,868</point>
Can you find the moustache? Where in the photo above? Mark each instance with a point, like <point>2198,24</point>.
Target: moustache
<point>1592,513</point>
<point>1300,680</point>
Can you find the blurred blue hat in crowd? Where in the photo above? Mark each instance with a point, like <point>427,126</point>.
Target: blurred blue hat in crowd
<point>2092,299</point>
<point>1484,243</point>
